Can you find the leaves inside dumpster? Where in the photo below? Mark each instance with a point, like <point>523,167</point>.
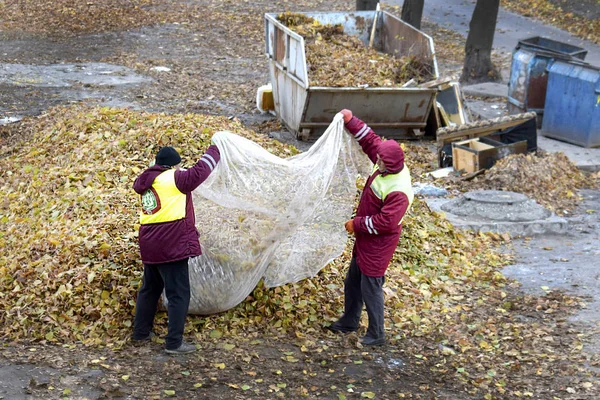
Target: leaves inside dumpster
<point>338,60</point>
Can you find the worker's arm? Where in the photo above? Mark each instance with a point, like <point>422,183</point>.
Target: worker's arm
<point>368,140</point>
<point>388,218</point>
<point>188,180</point>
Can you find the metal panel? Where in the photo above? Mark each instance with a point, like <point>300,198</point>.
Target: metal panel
<point>573,104</point>
<point>385,107</point>
<point>401,39</point>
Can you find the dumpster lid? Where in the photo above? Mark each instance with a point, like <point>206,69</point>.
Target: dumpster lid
<point>562,63</point>
<point>546,44</point>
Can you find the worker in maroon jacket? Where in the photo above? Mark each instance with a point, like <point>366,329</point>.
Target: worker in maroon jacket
<point>168,238</point>
<point>377,225</point>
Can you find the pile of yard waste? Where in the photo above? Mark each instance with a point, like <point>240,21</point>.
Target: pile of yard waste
<point>336,59</point>
<point>71,269</point>
<point>551,179</point>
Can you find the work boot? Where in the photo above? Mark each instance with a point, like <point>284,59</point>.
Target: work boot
<point>147,339</point>
<point>184,348</point>
<point>338,327</point>
<point>369,341</point>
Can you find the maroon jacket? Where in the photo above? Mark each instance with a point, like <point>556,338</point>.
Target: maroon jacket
<point>176,240</point>
<point>375,244</point>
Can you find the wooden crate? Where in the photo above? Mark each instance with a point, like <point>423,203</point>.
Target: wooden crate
<point>480,153</point>
<point>497,127</point>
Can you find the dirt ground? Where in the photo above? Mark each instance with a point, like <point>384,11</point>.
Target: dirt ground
<point>215,70</point>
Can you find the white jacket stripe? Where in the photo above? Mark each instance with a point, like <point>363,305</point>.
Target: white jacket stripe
<point>212,160</point>
<point>207,163</point>
<point>367,225</point>
<point>370,223</point>
<point>362,133</point>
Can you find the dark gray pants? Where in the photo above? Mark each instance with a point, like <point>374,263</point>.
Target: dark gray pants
<point>175,279</point>
<point>359,289</point>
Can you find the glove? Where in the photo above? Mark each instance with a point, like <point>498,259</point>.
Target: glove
<point>347,115</point>
<point>349,225</point>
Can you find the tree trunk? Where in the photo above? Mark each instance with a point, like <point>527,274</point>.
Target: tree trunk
<point>478,65</point>
<point>363,5</point>
<point>412,11</point>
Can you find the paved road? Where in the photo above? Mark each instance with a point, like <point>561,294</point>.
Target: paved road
<point>510,28</point>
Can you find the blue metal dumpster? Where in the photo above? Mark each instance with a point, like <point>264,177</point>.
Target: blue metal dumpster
<point>573,103</point>
<point>528,72</point>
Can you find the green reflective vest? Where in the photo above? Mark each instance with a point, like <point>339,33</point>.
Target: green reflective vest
<point>400,182</point>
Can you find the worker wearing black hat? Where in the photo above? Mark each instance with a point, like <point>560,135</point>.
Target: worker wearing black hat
<point>168,238</point>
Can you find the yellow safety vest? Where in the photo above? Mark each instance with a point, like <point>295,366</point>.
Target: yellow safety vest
<point>400,182</point>
<point>163,202</point>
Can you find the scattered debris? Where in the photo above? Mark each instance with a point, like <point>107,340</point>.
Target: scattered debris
<point>161,69</point>
<point>508,130</point>
<point>424,189</point>
<point>442,172</point>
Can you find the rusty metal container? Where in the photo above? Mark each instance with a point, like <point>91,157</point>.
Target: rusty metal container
<point>307,110</point>
<point>529,73</point>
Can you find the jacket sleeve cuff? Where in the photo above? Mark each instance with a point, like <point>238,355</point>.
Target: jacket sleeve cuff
<point>359,224</point>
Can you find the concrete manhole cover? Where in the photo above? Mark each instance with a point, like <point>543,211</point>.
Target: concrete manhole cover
<point>495,197</point>
<point>495,205</point>
<point>499,211</point>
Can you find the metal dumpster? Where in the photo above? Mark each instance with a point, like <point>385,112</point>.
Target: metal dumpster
<point>573,103</point>
<point>307,110</point>
<point>529,76</point>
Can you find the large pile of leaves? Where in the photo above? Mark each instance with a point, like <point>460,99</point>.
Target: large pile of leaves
<point>70,269</point>
<point>70,265</point>
<point>549,178</point>
<point>336,59</point>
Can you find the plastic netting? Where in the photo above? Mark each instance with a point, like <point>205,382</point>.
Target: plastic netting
<point>261,216</point>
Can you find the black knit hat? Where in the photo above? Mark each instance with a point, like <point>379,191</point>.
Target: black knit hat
<point>168,156</point>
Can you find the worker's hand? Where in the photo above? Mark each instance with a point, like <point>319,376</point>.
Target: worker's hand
<point>347,115</point>
<point>349,225</point>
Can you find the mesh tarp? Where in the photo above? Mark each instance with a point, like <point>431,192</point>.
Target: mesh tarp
<point>261,216</point>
